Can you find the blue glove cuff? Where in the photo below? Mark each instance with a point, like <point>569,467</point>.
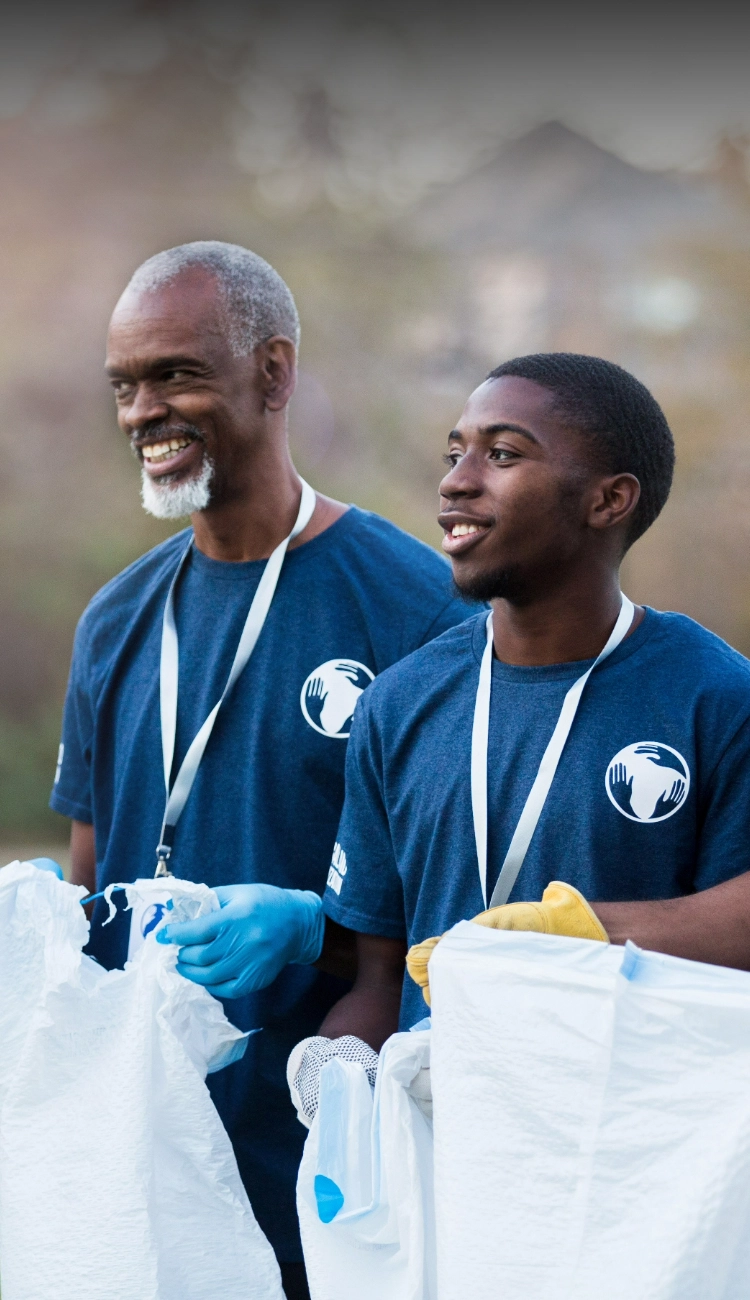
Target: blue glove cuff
<point>47,864</point>
<point>313,926</point>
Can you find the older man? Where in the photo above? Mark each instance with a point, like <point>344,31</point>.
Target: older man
<point>281,607</point>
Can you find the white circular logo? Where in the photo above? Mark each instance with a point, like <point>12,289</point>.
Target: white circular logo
<point>330,694</point>
<point>648,781</point>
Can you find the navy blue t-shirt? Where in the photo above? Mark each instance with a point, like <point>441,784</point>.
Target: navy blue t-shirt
<point>651,798</point>
<point>268,795</point>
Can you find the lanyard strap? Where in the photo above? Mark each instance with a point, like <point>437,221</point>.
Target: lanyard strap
<point>177,797</point>
<point>532,810</point>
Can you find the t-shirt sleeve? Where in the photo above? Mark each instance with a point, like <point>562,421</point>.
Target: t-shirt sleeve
<point>71,792</point>
<point>454,612</point>
<point>364,890</point>
<point>724,842</point>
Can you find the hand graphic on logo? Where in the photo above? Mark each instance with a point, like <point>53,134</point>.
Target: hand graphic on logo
<point>356,674</point>
<point>656,754</point>
<point>621,787</point>
<point>647,781</point>
<point>317,688</point>
<point>330,694</point>
<point>667,803</point>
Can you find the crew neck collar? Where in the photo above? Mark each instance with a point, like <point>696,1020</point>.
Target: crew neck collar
<point>245,570</point>
<point>569,671</point>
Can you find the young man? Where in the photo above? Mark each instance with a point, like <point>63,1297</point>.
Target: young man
<point>202,357</point>
<point>558,464</point>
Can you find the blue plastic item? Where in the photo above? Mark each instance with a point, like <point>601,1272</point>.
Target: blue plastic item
<point>343,1182</point>
<point>328,1196</point>
<point>47,864</point>
<point>91,898</point>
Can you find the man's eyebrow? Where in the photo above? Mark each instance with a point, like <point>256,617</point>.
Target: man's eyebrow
<point>489,430</point>
<point>177,362</point>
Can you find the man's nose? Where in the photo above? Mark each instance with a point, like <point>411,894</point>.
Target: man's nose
<point>464,479</point>
<point>147,407</point>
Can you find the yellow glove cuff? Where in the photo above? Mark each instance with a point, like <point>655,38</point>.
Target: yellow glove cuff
<point>563,910</point>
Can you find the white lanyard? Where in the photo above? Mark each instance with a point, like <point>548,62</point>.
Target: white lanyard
<point>169,676</point>
<point>532,809</point>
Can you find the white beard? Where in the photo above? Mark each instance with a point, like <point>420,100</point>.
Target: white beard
<point>175,500</point>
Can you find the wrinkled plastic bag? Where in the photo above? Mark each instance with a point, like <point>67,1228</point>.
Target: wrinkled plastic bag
<point>670,1171</point>
<point>591,1121</point>
<point>370,1161</point>
<point>117,1179</point>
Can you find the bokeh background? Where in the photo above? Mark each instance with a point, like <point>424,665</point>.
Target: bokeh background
<point>442,189</point>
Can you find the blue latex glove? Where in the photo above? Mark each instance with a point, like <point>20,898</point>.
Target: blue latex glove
<point>258,930</point>
<point>47,864</point>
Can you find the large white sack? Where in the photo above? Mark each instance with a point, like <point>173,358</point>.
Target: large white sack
<point>668,1213</point>
<point>521,1028</point>
<point>117,1179</point>
<point>381,1244</point>
<point>592,1127</point>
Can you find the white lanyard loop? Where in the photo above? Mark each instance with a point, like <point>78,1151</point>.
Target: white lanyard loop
<point>532,809</point>
<point>177,797</point>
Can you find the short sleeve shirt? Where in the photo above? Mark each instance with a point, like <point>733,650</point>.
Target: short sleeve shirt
<point>268,794</point>
<point>651,798</point>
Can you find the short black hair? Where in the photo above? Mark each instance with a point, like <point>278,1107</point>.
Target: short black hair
<point>625,424</point>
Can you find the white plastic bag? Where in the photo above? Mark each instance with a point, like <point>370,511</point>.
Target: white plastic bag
<point>117,1179</point>
<point>521,1035</point>
<point>668,1210</point>
<point>378,1154</point>
<point>592,1123</point>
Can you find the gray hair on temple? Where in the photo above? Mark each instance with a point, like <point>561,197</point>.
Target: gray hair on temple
<point>257,302</point>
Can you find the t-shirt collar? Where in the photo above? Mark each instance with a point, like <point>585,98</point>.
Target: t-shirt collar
<point>560,672</point>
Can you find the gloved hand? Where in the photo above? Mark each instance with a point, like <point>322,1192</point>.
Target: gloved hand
<point>47,864</point>
<point>563,910</point>
<point>307,1060</point>
<point>257,931</point>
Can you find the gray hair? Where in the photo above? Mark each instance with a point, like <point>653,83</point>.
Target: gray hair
<point>257,303</point>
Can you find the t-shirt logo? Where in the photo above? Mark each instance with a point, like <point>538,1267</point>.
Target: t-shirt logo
<point>152,917</point>
<point>648,782</point>
<point>337,869</point>
<point>330,694</point>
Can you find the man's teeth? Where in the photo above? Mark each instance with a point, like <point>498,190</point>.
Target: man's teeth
<point>157,451</point>
<point>463,530</point>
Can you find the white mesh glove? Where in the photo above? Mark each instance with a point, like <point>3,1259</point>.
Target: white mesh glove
<point>307,1060</point>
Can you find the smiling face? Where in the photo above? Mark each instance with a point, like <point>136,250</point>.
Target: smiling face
<point>190,407</point>
<point>524,500</point>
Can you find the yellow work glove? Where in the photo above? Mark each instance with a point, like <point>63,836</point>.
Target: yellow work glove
<point>563,910</point>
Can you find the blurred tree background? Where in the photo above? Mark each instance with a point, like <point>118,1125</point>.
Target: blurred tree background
<point>432,218</point>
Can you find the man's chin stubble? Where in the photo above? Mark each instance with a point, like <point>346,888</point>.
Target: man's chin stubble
<point>503,584</point>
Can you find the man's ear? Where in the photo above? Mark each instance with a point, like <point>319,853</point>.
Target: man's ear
<point>277,365</point>
<point>613,501</point>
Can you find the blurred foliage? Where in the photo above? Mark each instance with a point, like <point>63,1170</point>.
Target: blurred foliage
<point>418,261</point>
